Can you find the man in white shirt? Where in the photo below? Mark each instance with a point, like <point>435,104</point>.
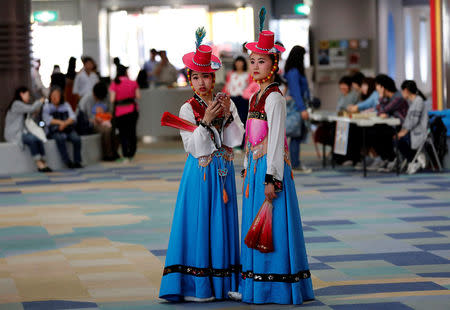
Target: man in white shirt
<point>165,73</point>
<point>86,78</point>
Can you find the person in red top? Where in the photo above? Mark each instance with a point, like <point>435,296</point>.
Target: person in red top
<point>123,94</point>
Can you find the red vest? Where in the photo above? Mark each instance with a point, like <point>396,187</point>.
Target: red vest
<point>197,108</point>
<point>259,106</point>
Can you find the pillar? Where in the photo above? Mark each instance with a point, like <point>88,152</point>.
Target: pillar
<point>440,58</point>
<point>15,51</point>
<point>89,12</point>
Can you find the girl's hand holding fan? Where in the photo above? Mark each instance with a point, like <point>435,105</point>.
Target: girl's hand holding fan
<point>173,121</point>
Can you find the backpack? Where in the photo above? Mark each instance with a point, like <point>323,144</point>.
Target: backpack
<point>439,133</point>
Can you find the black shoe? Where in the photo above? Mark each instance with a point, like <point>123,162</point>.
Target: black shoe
<point>46,169</point>
<point>77,166</point>
<point>110,158</point>
<point>70,165</point>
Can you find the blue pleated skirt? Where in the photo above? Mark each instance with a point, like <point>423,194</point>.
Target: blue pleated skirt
<point>281,276</point>
<point>203,255</point>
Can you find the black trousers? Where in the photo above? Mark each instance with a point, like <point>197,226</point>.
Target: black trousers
<point>61,138</point>
<point>381,138</point>
<point>127,133</point>
<point>404,146</point>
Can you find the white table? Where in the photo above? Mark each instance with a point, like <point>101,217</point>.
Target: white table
<point>330,116</point>
<point>322,116</point>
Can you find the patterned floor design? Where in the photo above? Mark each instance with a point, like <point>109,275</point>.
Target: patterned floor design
<point>96,238</point>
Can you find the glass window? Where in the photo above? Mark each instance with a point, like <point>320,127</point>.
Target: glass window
<point>409,48</point>
<point>232,26</point>
<point>391,47</point>
<point>292,32</point>
<point>54,45</point>
<point>173,30</point>
<point>423,50</point>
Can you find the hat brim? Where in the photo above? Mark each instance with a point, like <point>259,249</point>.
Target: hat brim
<point>189,63</point>
<point>253,47</point>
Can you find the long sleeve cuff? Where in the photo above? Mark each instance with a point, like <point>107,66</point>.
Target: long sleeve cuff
<point>229,120</point>
<point>269,179</point>
<point>233,129</point>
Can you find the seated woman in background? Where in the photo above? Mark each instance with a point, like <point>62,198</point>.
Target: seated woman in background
<point>369,100</point>
<point>414,130</point>
<point>348,95</point>
<point>16,131</point>
<point>59,120</point>
<point>369,97</point>
<point>357,80</point>
<point>101,123</point>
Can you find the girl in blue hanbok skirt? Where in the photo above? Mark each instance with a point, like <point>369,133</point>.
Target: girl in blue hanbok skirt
<point>202,261</point>
<point>273,255</point>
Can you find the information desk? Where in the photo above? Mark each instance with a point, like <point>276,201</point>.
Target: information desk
<point>331,117</point>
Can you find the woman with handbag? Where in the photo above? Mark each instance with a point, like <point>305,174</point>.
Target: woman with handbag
<point>297,114</point>
<point>274,263</point>
<point>16,130</point>
<point>123,94</point>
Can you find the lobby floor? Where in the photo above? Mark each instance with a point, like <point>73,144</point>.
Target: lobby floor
<point>96,238</point>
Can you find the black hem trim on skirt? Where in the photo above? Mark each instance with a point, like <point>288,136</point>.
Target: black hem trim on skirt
<point>201,272</point>
<point>275,277</point>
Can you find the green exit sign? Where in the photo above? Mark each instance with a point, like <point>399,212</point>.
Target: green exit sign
<point>302,9</point>
<point>45,16</point>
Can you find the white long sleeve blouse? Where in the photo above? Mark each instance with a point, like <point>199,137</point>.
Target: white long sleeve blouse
<point>275,107</point>
<point>199,143</point>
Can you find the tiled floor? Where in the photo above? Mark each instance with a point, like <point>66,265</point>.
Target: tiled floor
<point>96,238</point>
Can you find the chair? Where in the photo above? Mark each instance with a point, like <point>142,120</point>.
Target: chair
<point>434,145</point>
